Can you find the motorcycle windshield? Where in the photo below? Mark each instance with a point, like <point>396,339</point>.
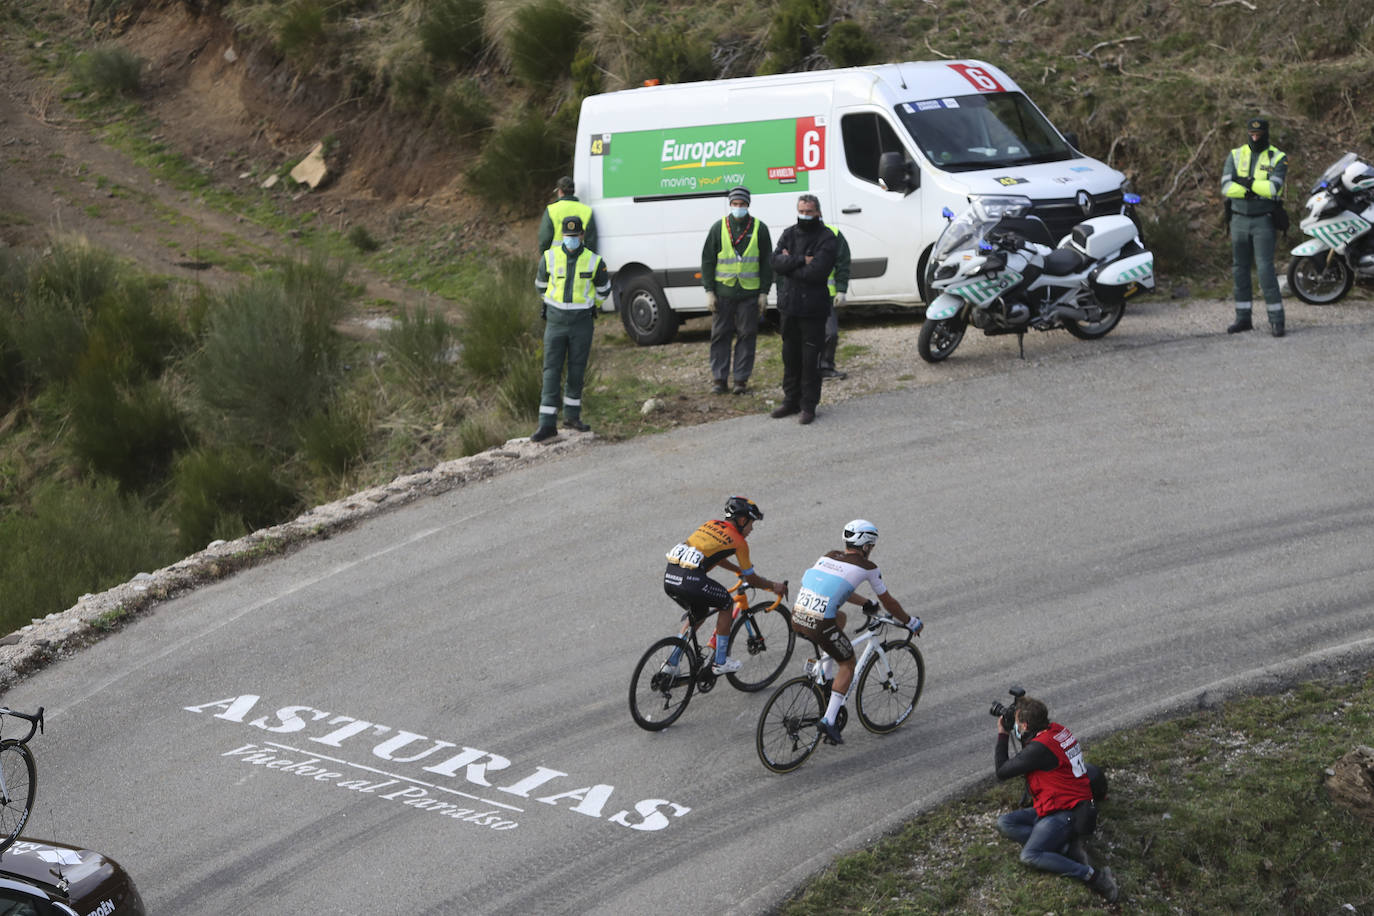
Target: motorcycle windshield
<point>982,131</point>
<point>966,229</point>
<point>1337,168</point>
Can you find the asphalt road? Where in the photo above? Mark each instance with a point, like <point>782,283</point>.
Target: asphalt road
<point>428,714</point>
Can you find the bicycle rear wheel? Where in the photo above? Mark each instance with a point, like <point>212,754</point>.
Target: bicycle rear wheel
<point>20,784</point>
<point>889,690</point>
<point>763,641</point>
<point>659,692</point>
<point>787,732</point>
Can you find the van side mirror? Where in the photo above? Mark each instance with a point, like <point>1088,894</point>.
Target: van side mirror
<point>898,173</point>
<point>1072,137</point>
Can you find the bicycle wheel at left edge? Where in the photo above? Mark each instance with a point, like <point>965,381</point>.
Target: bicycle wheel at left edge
<point>787,732</point>
<point>659,691</point>
<point>890,687</point>
<point>763,641</point>
<point>21,783</point>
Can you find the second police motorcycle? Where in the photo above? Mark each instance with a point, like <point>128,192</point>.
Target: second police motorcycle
<point>1340,213</point>
<point>996,268</point>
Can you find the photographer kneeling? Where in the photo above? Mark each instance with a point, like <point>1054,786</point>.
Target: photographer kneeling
<point>1057,778</point>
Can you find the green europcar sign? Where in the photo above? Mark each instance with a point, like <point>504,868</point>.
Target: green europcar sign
<point>765,156</point>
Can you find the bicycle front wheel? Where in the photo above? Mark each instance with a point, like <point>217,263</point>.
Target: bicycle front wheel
<point>660,689</point>
<point>762,640</point>
<point>18,784</point>
<point>787,732</point>
<point>890,687</point>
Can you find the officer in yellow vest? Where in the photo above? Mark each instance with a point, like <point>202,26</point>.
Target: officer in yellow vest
<point>839,288</point>
<point>565,205</point>
<point>737,280</point>
<point>572,280</point>
<point>1252,182</point>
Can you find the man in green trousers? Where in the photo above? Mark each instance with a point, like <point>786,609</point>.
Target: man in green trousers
<point>1252,182</point>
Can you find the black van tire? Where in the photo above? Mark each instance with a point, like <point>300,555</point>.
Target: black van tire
<point>644,310</point>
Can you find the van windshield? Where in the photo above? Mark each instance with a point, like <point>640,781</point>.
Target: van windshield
<point>980,131</point>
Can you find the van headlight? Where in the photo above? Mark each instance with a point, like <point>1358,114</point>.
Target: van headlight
<point>993,207</point>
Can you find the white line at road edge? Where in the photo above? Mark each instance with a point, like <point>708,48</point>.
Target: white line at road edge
<point>418,782</point>
<point>304,584</point>
<point>1280,675</point>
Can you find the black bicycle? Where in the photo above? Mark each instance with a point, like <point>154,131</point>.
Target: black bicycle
<point>18,778</point>
<point>675,667</point>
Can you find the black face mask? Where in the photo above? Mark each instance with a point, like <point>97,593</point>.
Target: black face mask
<point>1261,144</point>
<point>808,225</point>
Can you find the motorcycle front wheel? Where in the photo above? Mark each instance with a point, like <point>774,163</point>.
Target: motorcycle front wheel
<point>1320,279</point>
<point>1091,330</point>
<point>939,338</point>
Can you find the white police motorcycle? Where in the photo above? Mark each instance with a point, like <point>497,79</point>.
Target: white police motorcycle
<point>1340,213</point>
<point>991,274</point>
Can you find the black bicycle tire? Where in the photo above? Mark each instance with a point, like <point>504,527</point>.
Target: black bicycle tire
<point>759,740</point>
<point>760,611</point>
<point>892,647</point>
<point>11,833</point>
<point>687,683</point>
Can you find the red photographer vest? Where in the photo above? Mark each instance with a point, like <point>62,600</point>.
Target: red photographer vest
<point>1067,784</point>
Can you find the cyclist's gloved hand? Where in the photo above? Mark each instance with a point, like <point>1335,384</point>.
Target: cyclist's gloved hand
<point>915,625</point>
<point>870,608</point>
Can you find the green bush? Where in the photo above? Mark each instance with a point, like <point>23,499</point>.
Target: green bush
<point>108,70</point>
<point>13,381</point>
<point>225,494</point>
<point>49,333</point>
<point>479,433</point>
<point>78,538</point>
<point>674,56</point>
<point>411,82</point>
<point>139,330</point>
<point>75,272</point>
<point>420,347</point>
<point>332,440</point>
<point>520,388</point>
<point>270,353</point>
<point>362,240</point>
<point>586,73</point>
<point>502,317</point>
<point>796,32</point>
<point>521,160</point>
<point>128,434</point>
<point>451,30</point>
<point>464,109</point>
<point>847,45</point>
<point>543,42</point>
<point>300,30</point>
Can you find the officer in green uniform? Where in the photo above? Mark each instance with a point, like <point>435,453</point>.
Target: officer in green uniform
<point>565,205</point>
<point>737,280</point>
<point>839,288</point>
<point>572,280</point>
<point>1252,182</point>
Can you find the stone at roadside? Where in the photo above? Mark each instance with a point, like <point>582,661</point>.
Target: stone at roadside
<point>649,406</point>
<point>311,170</point>
<point>271,181</point>
<point>1351,782</point>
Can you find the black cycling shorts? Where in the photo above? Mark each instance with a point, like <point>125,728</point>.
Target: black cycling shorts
<point>696,592</point>
<point>829,638</point>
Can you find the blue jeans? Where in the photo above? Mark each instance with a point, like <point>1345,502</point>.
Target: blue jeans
<point>1042,840</point>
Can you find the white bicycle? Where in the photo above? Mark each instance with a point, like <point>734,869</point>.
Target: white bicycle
<point>890,677</point>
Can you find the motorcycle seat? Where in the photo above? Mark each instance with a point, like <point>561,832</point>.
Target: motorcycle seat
<point>1064,261</point>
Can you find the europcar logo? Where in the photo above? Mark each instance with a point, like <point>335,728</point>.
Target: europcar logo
<point>700,155</point>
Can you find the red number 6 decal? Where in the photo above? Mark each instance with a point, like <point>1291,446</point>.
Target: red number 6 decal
<point>981,79</point>
<point>810,145</point>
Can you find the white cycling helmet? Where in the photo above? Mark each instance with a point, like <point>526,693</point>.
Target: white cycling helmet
<point>860,533</point>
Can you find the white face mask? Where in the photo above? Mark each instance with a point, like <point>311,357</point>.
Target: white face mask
<point>572,242</point>
<point>1020,732</point>
<point>739,212</point>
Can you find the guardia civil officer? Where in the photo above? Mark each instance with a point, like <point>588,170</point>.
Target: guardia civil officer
<point>1252,182</point>
<point>737,275</point>
<point>572,280</point>
<point>566,204</point>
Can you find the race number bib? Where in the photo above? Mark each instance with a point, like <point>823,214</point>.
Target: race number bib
<point>686,556</point>
<point>1073,751</point>
<point>809,608</point>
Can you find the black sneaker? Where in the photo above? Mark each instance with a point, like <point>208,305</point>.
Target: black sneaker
<point>829,732</point>
<point>1103,883</point>
<point>784,410</point>
<point>741,387</point>
<point>544,433</point>
<point>719,388</point>
<point>578,425</point>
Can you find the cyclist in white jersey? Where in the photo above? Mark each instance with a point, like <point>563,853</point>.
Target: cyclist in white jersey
<point>816,613</point>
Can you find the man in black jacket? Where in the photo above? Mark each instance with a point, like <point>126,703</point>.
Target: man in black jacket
<point>803,260</point>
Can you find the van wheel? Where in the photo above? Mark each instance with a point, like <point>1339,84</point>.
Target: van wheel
<point>645,313</point>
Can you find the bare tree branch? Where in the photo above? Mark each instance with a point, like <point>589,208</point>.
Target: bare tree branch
<point>1187,165</point>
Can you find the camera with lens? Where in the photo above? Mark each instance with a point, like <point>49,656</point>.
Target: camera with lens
<point>1007,712</point>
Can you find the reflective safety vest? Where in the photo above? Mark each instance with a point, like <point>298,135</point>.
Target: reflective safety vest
<point>560,210</point>
<point>830,282</point>
<point>736,269</point>
<point>558,261</point>
<point>1265,164</point>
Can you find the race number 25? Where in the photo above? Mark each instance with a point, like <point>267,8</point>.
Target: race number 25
<point>810,144</point>
<point>981,79</point>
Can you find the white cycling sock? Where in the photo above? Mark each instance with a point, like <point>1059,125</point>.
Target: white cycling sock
<point>833,710</point>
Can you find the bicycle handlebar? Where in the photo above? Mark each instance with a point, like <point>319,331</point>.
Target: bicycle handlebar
<point>740,586</point>
<point>35,721</point>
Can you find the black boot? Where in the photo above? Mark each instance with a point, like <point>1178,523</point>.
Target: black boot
<point>828,369</point>
<point>1242,322</point>
<point>1276,323</point>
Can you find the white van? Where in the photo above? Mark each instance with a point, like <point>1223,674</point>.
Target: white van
<point>884,148</point>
